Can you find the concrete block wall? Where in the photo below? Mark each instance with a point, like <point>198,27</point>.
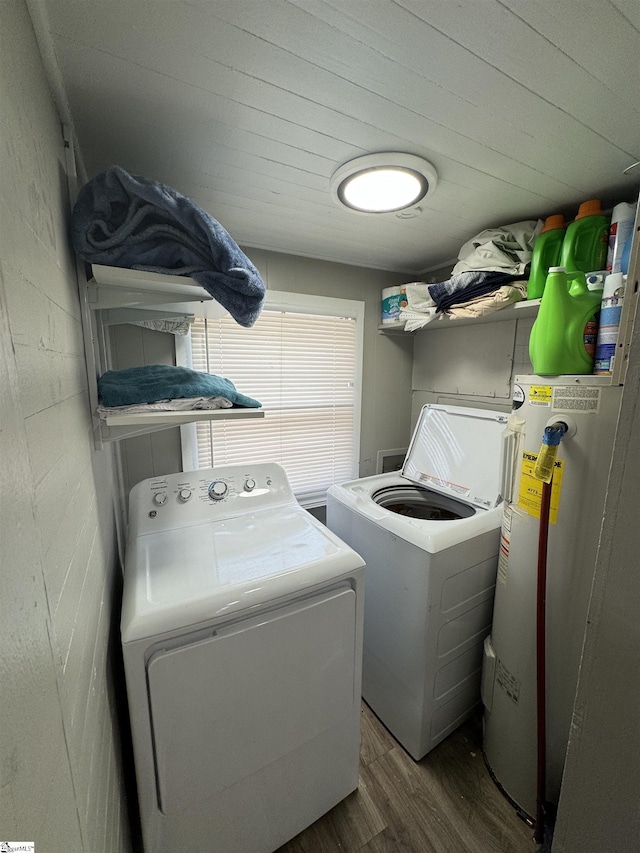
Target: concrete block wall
<point>60,765</point>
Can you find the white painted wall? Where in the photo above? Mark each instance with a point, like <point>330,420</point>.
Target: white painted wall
<point>386,387</point>
<point>59,751</point>
<point>599,810</point>
<point>471,365</point>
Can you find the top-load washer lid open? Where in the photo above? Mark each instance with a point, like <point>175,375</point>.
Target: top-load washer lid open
<point>456,451</point>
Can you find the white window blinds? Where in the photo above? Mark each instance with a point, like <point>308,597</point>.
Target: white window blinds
<point>303,368</point>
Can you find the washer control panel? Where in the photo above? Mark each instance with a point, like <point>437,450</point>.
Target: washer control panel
<point>211,494</point>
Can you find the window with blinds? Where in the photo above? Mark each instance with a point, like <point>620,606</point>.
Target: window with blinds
<point>303,368</point>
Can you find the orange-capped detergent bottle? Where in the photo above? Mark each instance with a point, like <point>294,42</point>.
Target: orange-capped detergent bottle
<point>585,243</point>
<point>564,335</point>
<point>546,253</point>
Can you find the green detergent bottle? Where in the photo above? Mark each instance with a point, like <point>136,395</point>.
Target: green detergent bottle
<point>577,283</point>
<point>586,240</point>
<point>564,335</point>
<point>546,253</point>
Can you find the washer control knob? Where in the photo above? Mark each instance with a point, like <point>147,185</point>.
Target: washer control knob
<point>218,490</point>
<point>184,495</point>
<point>249,484</point>
<point>160,498</point>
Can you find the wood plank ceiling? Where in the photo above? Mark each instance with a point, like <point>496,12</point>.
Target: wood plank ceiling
<point>525,108</point>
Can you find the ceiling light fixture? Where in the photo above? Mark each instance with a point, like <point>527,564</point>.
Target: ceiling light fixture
<point>383,183</point>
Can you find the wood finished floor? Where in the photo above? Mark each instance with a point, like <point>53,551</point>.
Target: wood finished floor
<point>446,803</point>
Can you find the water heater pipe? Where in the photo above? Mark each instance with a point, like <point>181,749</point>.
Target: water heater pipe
<point>553,434</point>
<point>541,668</point>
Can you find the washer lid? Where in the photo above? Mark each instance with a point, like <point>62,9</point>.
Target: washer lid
<point>456,451</point>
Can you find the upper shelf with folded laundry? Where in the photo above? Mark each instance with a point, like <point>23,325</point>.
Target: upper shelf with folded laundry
<point>515,311</point>
<point>116,295</point>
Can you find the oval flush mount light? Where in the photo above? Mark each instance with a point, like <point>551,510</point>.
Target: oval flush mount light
<point>383,183</point>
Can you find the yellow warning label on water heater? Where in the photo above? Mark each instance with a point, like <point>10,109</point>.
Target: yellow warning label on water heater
<point>530,494</point>
<point>540,395</point>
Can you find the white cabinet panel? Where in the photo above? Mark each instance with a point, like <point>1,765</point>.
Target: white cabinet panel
<point>474,360</point>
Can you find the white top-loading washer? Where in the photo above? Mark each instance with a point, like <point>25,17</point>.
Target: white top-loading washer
<point>242,631</point>
<point>430,538</point>
<point>451,473</point>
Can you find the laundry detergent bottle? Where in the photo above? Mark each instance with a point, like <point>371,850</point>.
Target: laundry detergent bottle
<point>577,283</point>
<point>563,337</point>
<point>622,221</point>
<point>546,253</point>
<point>585,242</point>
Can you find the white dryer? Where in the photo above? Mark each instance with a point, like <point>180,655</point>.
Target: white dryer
<point>242,641</point>
<point>430,539</point>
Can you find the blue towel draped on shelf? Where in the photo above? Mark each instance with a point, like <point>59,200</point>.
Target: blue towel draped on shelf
<point>164,382</point>
<point>124,220</point>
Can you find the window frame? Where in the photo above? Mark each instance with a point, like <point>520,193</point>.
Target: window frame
<point>300,303</point>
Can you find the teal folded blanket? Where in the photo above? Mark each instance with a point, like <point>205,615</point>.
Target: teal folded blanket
<point>163,382</point>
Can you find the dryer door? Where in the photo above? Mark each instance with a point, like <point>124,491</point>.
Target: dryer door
<point>224,707</point>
